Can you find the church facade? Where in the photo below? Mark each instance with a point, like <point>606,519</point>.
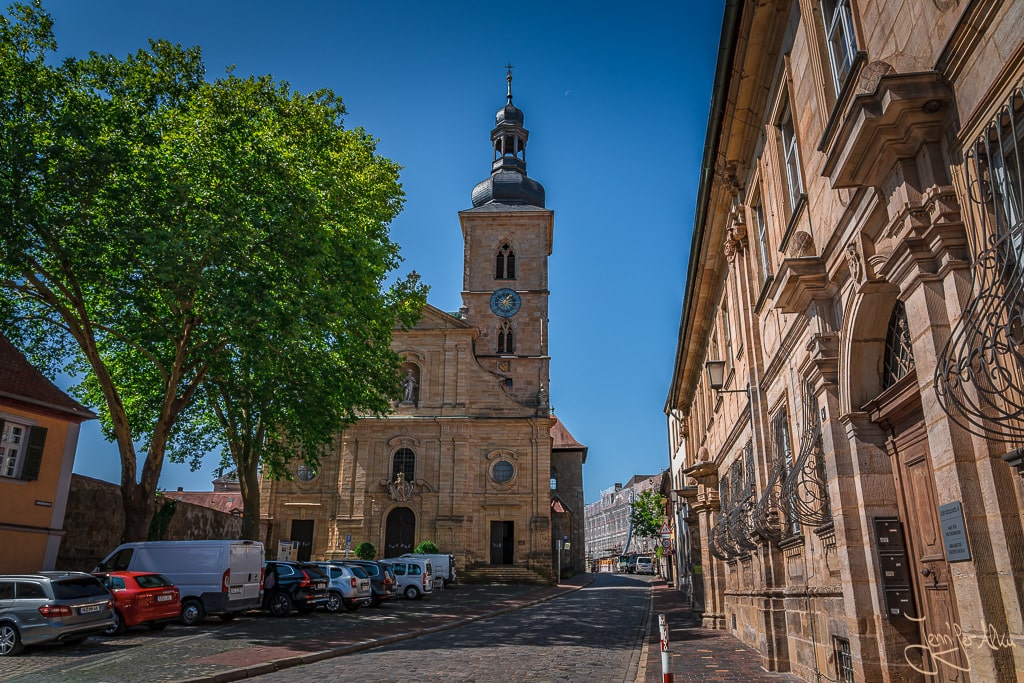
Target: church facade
<point>472,458</point>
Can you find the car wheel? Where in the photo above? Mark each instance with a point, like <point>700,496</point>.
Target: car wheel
<point>192,612</point>
<point>412,592</point>
<point>10,640</point>
<point>117,628</point>
<point>279,604</point>
<point>350,605</point>
<point>157,625</point>
<point>333,603</point>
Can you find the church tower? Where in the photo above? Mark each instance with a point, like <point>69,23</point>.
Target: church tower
<point>507,236</point>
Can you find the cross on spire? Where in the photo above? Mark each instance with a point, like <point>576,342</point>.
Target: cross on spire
<point>508,78</point>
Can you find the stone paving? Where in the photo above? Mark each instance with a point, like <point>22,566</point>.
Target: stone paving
<point>623,641</point>
<point>699,655</point>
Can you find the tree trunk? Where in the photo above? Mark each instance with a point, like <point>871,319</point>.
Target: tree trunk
<point>248,479</point>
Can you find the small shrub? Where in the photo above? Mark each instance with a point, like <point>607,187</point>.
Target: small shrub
<point>427,548</point>
<point>366,551</point>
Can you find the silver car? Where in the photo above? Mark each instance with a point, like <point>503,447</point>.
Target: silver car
<point>349,587</point>
<point>51,606</point>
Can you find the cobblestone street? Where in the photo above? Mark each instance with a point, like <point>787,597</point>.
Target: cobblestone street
<point>598,627</point>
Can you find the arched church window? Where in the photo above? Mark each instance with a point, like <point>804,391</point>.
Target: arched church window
<point>899,354</point>
<point>505,268</point>
<point>554,479</point>
<point>404,462</point>
<point>506,338</point>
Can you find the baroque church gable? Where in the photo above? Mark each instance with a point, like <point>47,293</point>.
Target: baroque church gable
<point>434,318</point>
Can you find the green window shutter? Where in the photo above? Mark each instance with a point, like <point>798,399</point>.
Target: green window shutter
<point>33,454</point>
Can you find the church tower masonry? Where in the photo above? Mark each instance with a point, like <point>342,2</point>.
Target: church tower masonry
<point>507,236</point>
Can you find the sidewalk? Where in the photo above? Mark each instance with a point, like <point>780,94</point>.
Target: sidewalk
<point>699,655</point>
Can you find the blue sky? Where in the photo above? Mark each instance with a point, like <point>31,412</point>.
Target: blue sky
<point>615,97</point>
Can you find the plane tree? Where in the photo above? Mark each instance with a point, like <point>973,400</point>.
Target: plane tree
<point>161,235</point>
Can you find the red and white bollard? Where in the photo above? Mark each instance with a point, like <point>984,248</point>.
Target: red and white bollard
<point>666,657</point>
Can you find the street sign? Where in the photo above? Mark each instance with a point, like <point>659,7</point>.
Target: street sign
<point>666,530</point>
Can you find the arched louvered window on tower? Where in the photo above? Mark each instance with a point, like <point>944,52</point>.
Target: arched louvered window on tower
<point>506,338</point>
<point>505,267</point>
<point>899,353</point>
<point>404,462</point>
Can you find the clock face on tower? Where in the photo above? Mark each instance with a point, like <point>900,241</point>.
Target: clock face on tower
<point>505,302</point>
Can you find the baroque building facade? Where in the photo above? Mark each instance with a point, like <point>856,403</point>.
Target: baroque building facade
<point>472,458</point>
<point>844,413</point>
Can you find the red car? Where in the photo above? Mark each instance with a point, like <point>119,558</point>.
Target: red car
<point>141,598</point>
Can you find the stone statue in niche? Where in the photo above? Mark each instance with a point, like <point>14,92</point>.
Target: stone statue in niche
<point>409,385</point>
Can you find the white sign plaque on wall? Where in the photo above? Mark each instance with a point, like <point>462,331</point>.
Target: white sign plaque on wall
<point>954,532</point>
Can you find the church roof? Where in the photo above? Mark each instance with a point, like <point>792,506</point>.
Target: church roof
<point>562,440</point>
<point>21,381</point>
<point>222,501</point>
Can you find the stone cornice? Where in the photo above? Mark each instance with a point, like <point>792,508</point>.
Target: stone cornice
<point>904,111</point>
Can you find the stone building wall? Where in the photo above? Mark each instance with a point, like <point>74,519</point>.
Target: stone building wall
<point>95,517</point>
<point>857,265</point>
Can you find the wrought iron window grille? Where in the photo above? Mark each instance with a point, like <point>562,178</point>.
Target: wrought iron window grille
<point>804,491</point>
<point>979,378</point>
<point>899,350</point>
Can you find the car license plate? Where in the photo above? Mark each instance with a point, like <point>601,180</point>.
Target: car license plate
<point>88,608</point>
<point>164,598</point>
<point>321,586</point>
<point>235,589</point>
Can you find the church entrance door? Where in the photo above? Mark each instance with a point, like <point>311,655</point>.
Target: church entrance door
<point>503,542</point>
<point>302,531</point>
<point>400,533</point>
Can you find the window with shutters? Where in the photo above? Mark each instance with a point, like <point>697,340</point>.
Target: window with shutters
<point>21,450</point>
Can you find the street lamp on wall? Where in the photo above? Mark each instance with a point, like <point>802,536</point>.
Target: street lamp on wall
<point>716,377</point>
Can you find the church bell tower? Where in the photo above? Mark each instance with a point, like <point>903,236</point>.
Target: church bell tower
<point>507,237</point>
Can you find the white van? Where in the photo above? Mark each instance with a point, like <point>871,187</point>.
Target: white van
<point>443,565</point>
<point>415,577</point>
<point>214,577</point>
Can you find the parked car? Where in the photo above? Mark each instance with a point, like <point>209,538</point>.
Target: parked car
<point>631,564</point>
<point>623,564</point>
<point>383,584</point>
<point>213,576</point>
<point>301,586</point>
<point>644,565</point>
<point>51,606</point>
<point>415,577</point>
<point>442,564</point>
<point>141,598</point>
<point>347,587</point>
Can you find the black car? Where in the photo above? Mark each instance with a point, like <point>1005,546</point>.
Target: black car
<point>293,585</point>
<point>382,579</point>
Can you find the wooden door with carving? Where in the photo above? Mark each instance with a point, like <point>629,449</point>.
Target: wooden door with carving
<point>933,589</point>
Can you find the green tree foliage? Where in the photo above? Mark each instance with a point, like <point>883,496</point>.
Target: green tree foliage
<point>366,551</point>
<point>188,248</point>
<point>427,548</point>
<point>648,514</point>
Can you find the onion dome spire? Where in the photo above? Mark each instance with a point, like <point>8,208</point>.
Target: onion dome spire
<point>508,183</point>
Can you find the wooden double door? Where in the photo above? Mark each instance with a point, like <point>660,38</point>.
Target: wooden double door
<point>935,603</point>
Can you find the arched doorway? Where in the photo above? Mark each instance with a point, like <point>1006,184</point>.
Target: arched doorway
<point>400,532</point>
<point>924,595</point>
